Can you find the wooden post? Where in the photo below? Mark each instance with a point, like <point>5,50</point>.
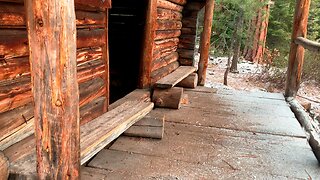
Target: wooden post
<point>296,55</point>
<point>147,53</point>
<point>106,58</point>
<point>52,44</point>
<point>205,41</point>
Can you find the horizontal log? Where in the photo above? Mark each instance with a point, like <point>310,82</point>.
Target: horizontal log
<point>91,90</point>
<point>165,43</point>
<point>92,3</point>
<point>92,110</point>
<point>159,63</point>
<point>180,2</point>
<point>189,22</point>
<point>15,93</point>
<point>16,67</point>
<point>95,3</point>
<point>168,25</point>
<point>12,15</point>
<point>189,82</point>
<point>167,34</point>
<point>90,38</point>
<point>166,14</point>
<point>160,73</point>
<point>169,5</point>
<point>188,39</point>
<point>188,31</point>
<point>186,61</point>
<point>91,70</point>
<point>185,53</point>
<point>86,55</point>
<point>164,52</point>
<point>168,98</point>
<point>308,44</point>
<point>186,46</point>
<point>311,129</point>
<point>14,43</point>
<point>12,68</point>
<point>145,132</point>
<point>11,121</point>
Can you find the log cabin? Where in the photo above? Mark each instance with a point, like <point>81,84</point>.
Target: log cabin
<point>75,75</point>
<point>69,71</point>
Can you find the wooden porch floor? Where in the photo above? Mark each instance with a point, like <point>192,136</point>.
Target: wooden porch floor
<point>223,135</point>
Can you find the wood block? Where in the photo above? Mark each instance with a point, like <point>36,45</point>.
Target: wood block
<point>154,118</point>
<point>175,77</point>
<point>168,98</point>
<point>189,82</point>
<point>145,132</point>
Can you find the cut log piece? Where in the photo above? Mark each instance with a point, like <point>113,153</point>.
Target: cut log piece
<point>145,132</point>
<point>175,77</point>
<point>168,98</point>
<point>95,135</point>
<point>4,166</point>
<point>189,82</point>
<point>151,126</point>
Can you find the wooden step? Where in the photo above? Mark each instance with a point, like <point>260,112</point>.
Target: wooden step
<point>94,136</point>
<point>175,77</point>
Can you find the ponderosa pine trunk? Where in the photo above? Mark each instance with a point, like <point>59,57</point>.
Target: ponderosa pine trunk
<point>237,46</point>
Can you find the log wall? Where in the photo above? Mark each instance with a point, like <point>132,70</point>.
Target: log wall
<point>168,30</point>
<point>16,100</point>
<point>188,33</point>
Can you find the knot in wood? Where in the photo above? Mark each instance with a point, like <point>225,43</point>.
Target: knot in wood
<point>40,22</point>
<point>58,103</point>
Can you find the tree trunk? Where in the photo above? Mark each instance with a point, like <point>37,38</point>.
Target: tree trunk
<point>237,46</point>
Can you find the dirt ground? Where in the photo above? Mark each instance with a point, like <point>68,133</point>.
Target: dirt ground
<point>254,77</point>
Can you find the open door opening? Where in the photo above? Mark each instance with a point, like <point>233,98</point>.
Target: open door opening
<point>126,32</point>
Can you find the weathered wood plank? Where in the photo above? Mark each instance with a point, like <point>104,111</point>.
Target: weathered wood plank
<point>175,77</point>
<point>55,87</point>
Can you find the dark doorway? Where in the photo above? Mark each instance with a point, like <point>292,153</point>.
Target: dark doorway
<point>126,33</point>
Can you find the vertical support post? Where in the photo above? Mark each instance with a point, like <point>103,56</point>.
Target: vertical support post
<point>296,55</point>
<point>52,45</point>
<point>148,45</point>
<point>106,58</point>
<point>205,42</point>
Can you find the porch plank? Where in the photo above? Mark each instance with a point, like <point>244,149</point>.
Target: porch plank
<point>94,136</point>
<point>175,77</point>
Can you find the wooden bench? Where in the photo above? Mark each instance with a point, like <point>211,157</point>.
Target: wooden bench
<point>175,77</point>
<point>94,135</point>
<point>166,95</point>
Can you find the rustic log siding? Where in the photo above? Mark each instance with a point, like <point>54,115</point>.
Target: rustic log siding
<point>168,30</point>
<point>188,32</point>
<point>16,100</point>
